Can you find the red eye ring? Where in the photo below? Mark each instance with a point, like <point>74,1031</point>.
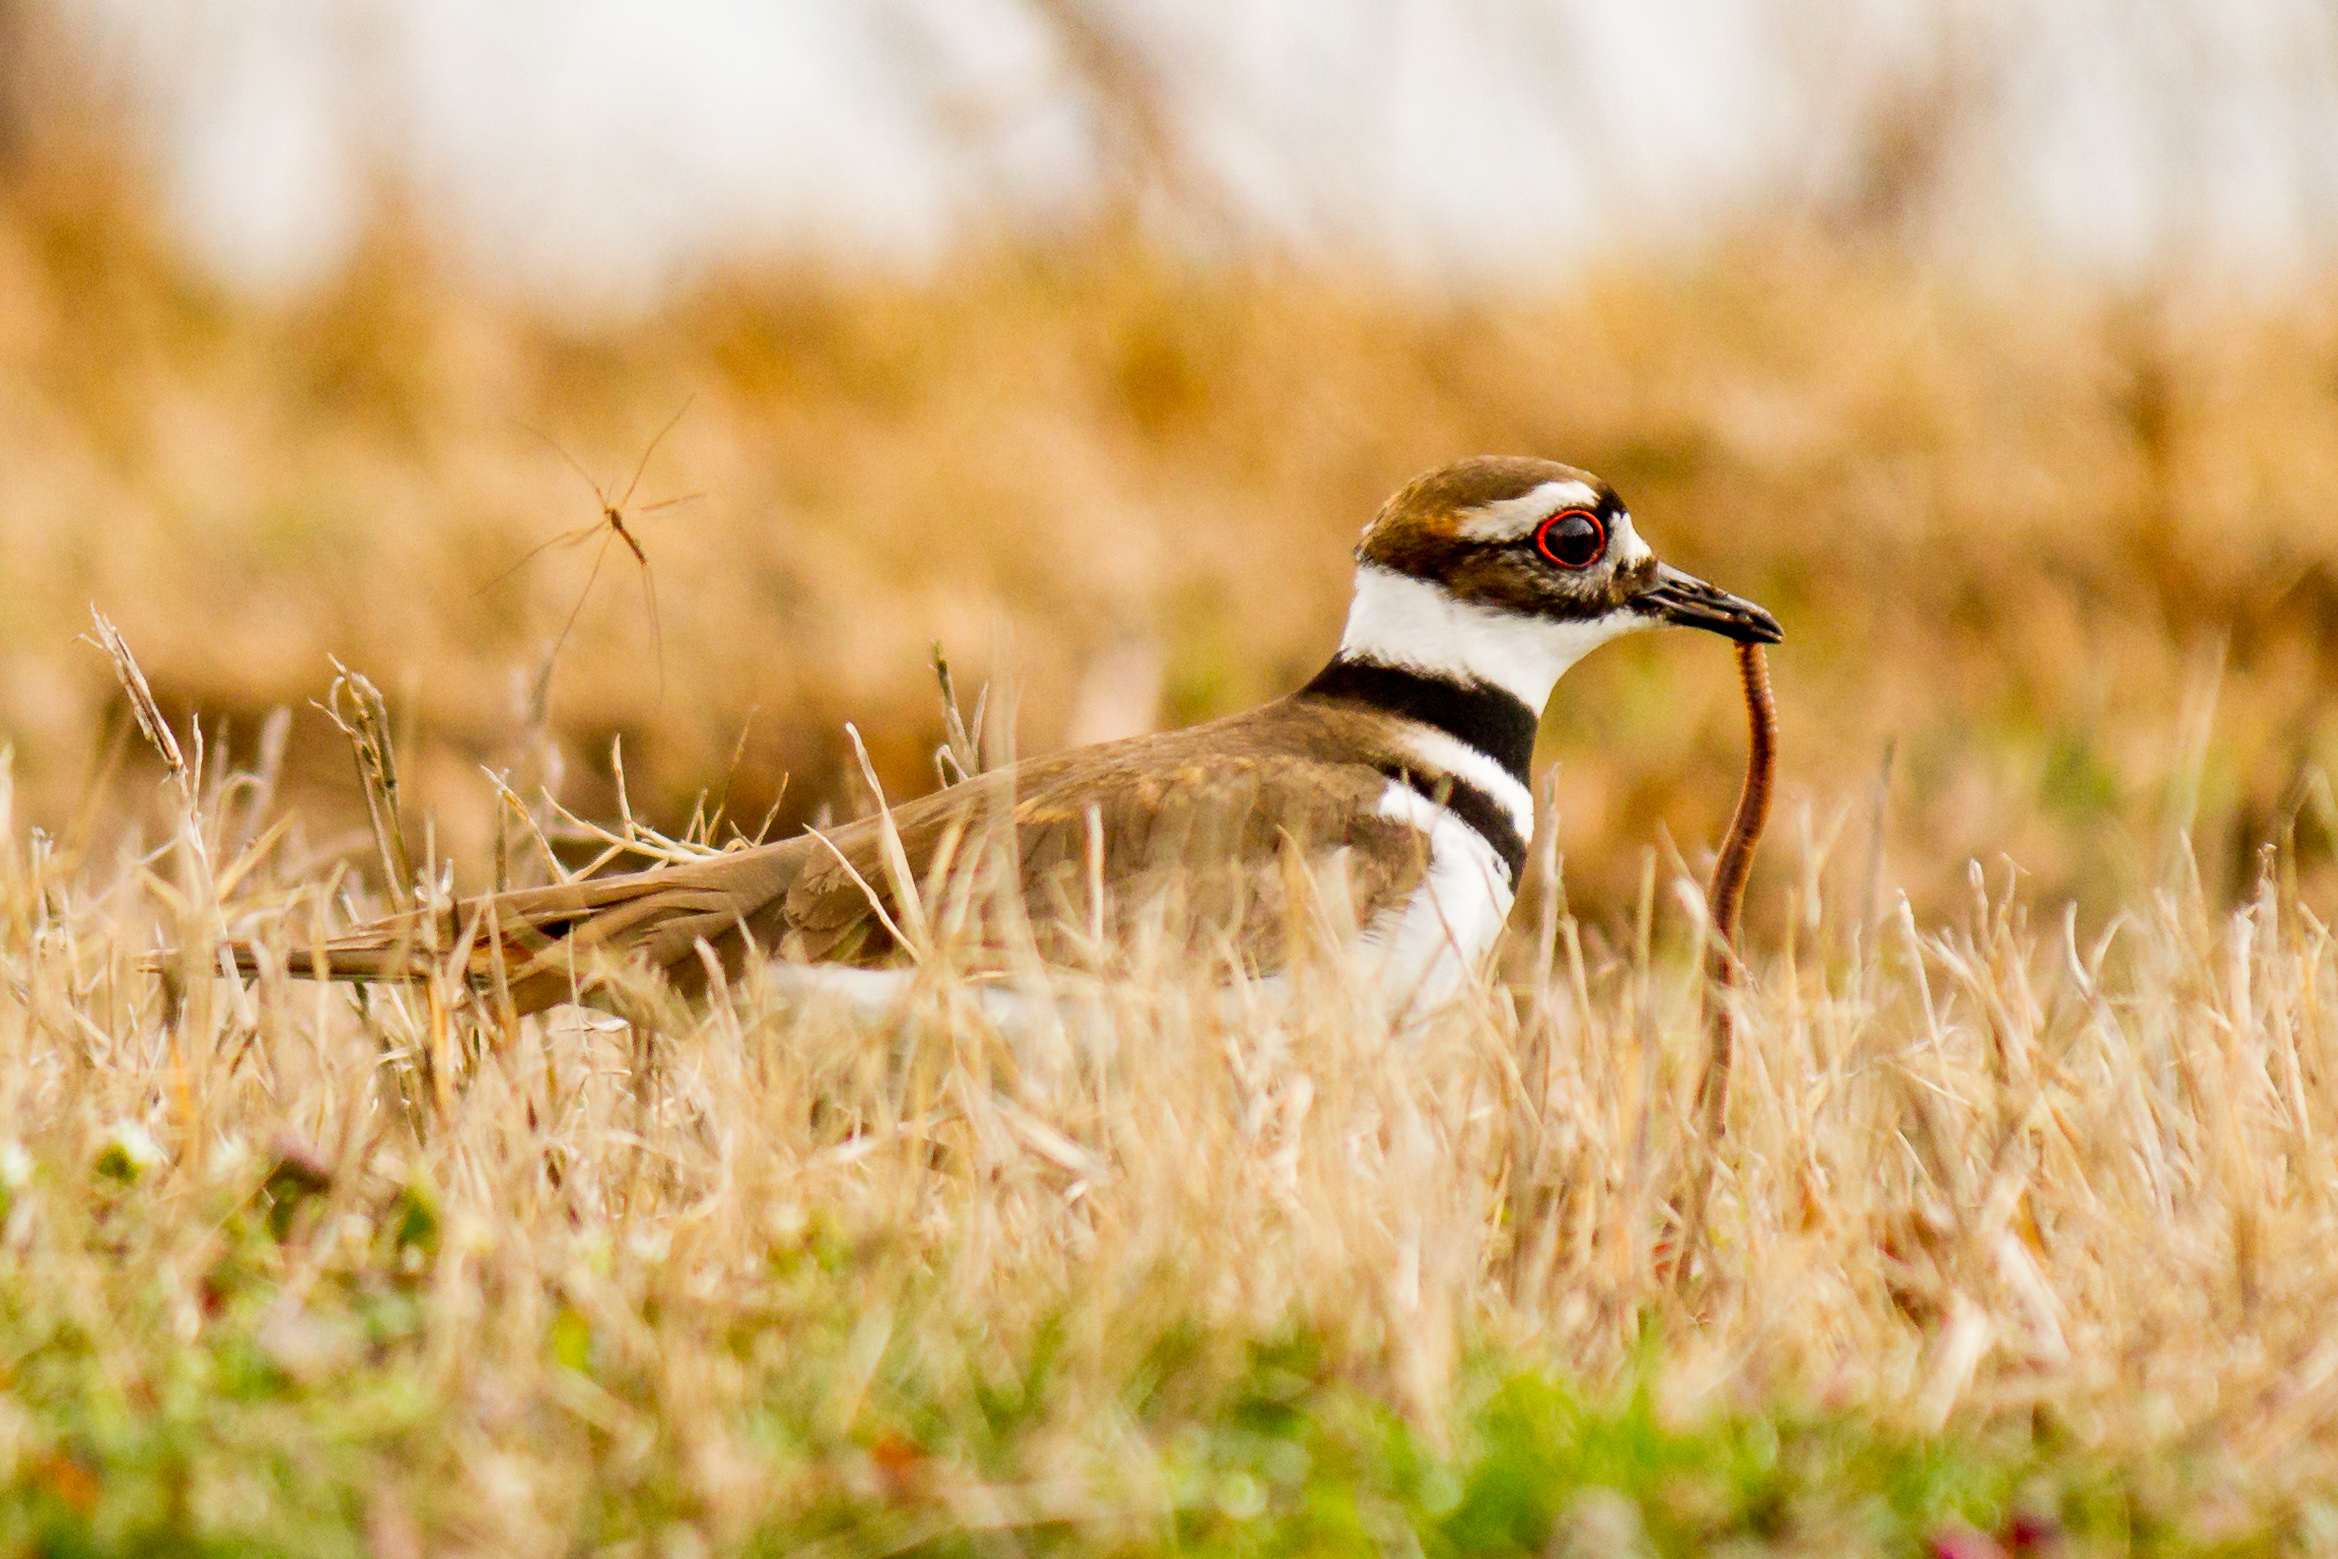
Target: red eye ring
<point>1569,544</point>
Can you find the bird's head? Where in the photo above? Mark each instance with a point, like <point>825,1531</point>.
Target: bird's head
<point>1538,540</point>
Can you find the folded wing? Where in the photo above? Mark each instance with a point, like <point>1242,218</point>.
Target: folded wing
<point>1196,830</point>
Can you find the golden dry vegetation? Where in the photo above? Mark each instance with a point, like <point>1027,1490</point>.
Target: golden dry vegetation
<point>2020,1219</point>
<point>2037,536</point>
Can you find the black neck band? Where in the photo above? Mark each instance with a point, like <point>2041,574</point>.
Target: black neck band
<point>1493,720</point>
<point>1474,807</point>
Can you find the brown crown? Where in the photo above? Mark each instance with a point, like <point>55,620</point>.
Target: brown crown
<point>1421,532</point>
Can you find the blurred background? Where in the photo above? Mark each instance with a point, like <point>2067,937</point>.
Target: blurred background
<point>1989,342</point>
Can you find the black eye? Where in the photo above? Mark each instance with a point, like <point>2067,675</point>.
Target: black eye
<point>1573,539</point>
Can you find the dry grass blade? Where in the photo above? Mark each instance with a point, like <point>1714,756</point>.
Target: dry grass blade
<point>630,837</point>
<point>195,906</point>
<point>960,757</point>
<point>143,707</point>
<point>876,900</point>
<point>367,726</point>
<point>898,873</point>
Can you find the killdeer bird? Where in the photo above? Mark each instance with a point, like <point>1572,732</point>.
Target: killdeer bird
<point>1403,763</point>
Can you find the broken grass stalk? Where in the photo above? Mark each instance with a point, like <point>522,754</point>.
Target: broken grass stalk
<point>368,728</point>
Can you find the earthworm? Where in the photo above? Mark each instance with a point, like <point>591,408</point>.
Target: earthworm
<point>1724,897</point>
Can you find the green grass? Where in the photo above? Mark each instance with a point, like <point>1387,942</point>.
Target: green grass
<point>143,1419</point>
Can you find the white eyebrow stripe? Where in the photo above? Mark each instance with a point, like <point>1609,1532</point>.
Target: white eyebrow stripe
<point>1512,518</point>
<point>1624,543</point>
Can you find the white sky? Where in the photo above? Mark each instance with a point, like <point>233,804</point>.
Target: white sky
<point>605,146</point>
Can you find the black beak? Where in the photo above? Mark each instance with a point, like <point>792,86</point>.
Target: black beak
<point>1687,600</point>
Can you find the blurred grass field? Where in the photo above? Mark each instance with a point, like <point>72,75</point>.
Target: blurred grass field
<point>2024,1224</point>
<point>2068,552</point>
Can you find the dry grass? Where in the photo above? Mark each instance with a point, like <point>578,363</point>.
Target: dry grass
<point>2005,1218</point>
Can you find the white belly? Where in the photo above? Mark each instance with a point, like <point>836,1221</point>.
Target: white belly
<point>1429,949</point>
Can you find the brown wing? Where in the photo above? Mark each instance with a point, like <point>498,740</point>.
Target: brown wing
<point>1194,829</point>
<point>1188,832</point>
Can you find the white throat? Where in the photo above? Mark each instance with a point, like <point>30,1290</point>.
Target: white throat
<point>1401,621</point>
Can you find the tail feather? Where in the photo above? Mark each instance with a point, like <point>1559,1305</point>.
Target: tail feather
<point>549,940</point>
